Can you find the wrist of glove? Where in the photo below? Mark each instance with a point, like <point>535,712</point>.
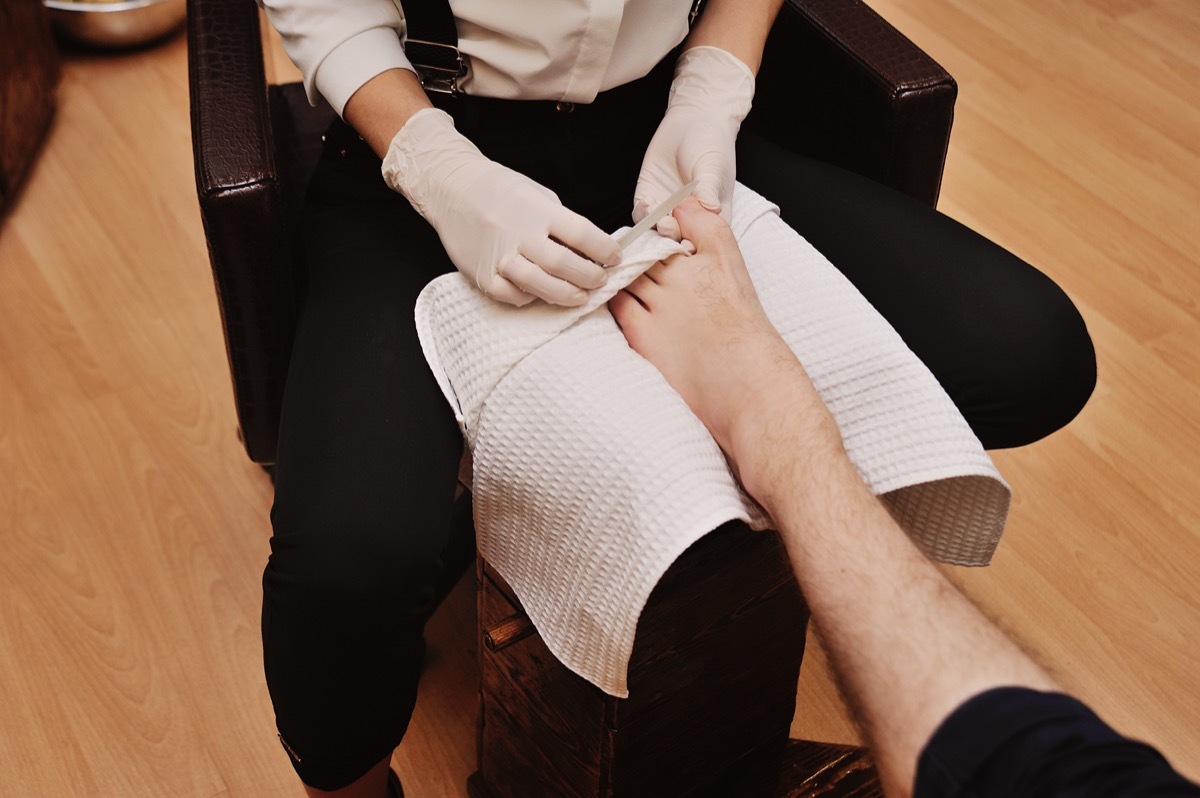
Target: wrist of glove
<point>510,235</point>
<point>710,96</point>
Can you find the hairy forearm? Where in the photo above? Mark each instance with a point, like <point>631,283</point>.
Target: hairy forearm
<point>738,26</point>
<point>908,646</point>
<point>383,104</point>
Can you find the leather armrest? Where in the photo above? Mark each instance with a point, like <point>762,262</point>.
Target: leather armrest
<point>839,83</point>
<point>242,208</point>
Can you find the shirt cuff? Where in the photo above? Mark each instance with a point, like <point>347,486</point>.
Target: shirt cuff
<point>354,62</point>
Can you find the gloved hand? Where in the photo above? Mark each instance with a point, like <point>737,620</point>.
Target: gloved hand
<point>507,233</point>
<point>710,96</point>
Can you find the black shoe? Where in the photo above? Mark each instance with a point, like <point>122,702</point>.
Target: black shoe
<point>394,790</point>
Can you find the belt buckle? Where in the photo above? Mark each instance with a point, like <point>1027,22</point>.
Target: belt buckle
<point>442,77</point>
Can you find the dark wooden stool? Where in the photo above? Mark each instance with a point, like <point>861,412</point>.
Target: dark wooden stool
<point>712,683</point>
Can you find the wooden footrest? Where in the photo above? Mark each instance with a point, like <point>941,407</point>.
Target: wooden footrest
<point>829,771</point>
<point>712,692</point>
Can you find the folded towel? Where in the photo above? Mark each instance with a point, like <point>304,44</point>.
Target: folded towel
<point>591,475</point>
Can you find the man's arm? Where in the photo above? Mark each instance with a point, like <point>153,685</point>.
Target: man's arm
<point>909,648</point>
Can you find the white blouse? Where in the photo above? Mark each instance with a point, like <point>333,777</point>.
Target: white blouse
<point>522,49</point>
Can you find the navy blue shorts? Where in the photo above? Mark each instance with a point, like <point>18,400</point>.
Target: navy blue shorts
<point>1021,743</point>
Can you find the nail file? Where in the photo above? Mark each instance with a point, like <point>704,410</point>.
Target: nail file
<point>652,218</point>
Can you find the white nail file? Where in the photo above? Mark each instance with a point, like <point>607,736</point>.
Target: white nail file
<point>652,218</point>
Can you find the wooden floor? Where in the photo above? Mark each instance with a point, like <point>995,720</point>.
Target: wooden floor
<point>133,530</point>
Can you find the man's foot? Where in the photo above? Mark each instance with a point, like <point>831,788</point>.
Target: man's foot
<point>697,318</point>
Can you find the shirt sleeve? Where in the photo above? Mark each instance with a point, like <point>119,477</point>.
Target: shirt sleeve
<point>338,46</point>
<point>1014,741</point>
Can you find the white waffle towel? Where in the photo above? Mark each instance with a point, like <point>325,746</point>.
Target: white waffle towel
<point>591,475</point>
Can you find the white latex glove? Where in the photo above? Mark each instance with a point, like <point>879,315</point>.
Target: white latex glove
<point>710,96</point>
<point>509,234</point>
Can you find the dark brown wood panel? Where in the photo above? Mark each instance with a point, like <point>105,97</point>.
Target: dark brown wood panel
<point>712,686</point>
<point>540,730</point>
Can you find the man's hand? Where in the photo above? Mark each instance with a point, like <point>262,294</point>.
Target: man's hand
<point>710,97</point>
<point>509,234</point>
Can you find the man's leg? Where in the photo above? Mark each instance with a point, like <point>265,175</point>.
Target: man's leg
<point>908,647</point>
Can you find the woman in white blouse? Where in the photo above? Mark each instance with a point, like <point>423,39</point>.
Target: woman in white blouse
<point>574,117</point>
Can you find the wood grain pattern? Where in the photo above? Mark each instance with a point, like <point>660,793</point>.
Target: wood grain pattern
<point>134,531</point>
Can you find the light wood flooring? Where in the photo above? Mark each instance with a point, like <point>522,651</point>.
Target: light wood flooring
<point>133,530</point>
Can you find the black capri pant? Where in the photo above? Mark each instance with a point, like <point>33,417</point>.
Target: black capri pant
<point>369,450</point>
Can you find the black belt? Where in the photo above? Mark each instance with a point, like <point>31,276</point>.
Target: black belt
<point>431,45</point>
<point>647,93</point>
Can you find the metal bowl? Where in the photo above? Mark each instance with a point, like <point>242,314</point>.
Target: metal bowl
<point>125,23</point>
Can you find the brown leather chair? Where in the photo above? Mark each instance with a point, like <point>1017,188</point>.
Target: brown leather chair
<point>720,642</point>
<point>868,100</point>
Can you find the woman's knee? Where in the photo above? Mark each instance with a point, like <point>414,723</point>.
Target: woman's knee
<point>358,564</point>
<point>1040,368</point>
